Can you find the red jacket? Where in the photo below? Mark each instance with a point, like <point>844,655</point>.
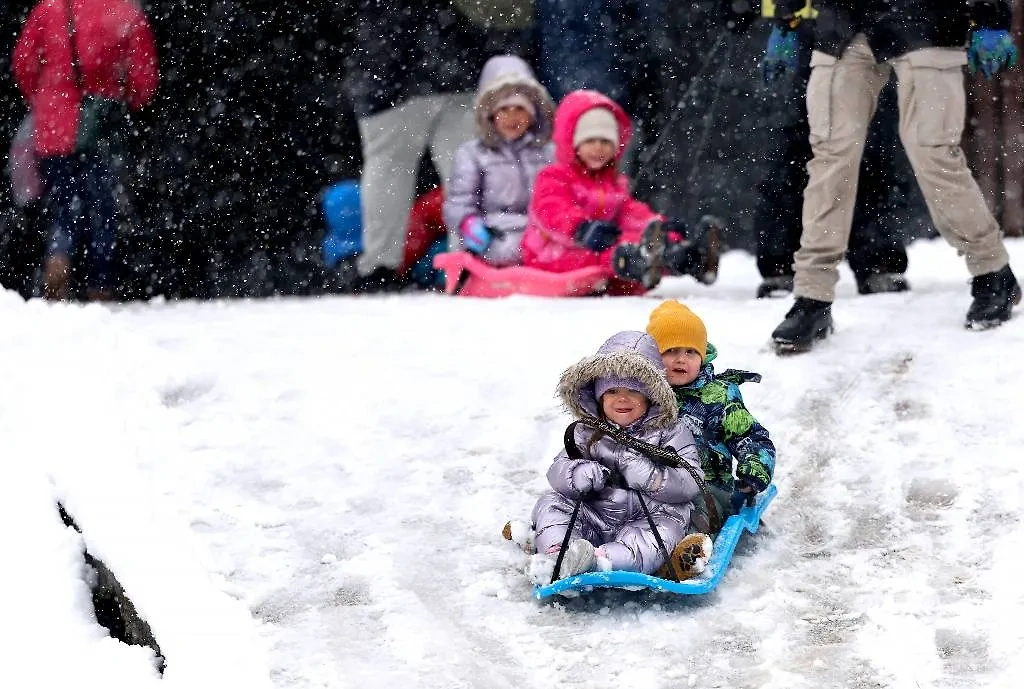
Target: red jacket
<point>566,193</point>
<point>117,59</point>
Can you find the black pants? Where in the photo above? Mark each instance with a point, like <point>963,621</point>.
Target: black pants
<point>876,243</point>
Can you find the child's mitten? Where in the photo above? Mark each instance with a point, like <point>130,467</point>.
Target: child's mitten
<point>476,237</point>
<point>588,476</point>
<point>597,235</point>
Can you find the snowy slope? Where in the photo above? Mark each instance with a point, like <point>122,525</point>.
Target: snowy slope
<point>343,467</point>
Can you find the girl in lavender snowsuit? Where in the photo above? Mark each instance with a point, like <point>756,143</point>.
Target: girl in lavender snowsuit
<point>623,383</point>
<point>492,177</point>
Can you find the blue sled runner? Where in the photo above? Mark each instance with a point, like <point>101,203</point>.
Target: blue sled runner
<point>748,519</point>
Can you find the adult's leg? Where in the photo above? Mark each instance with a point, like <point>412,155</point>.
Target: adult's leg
<point>101,196</point>
<point>393,143</point>
<point>65,208</point>
<point>841,98</point>
<point>777,216</point>
<point>876,245</point>
<point>932,110</point>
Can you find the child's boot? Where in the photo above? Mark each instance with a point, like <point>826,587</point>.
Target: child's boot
<point>579,557</point>
<point>642,262</point>
<point>698,256</point>
<point>688,558</point>
<point>520,533</point>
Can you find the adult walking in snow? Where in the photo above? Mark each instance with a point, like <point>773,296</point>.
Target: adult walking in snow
<point>411,77</point>
<point>76,63</point>
<point>876,252</point>
<point>855,51</point>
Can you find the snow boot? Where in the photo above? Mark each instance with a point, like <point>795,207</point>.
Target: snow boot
<point>699,257</point>
<point>642,262</point>
<point>688,558</point>
<point>879,283</point>
<point>520,533</point>
<point>57,278</point>
<point>775,286</point>
<point>579,557</point>
<point>807,321</point>
<point>995,295</point>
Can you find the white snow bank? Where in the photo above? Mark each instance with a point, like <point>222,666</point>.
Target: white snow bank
<point>84,415</point>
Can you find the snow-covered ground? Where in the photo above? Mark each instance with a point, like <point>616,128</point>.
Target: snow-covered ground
<point>312,491</point>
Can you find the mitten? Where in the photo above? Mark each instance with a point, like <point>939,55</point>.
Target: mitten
<point>751,473</point>
<point>588,476</point>
<point>742,497</point>
<point>991,51</point>
<point>476,237</point>
<point>781,57</point>
<point>596,235</point>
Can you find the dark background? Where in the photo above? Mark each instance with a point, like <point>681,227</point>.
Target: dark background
<point>250,124</point>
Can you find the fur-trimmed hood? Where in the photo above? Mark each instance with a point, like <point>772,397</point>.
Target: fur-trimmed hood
<point>628,354</point>
<point>504,75</point>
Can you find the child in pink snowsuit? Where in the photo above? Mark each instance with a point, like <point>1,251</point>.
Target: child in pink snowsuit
<point>623,383</point>
<point>582,214</point>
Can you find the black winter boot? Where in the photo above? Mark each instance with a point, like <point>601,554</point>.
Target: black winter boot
<point>807,321</point>
<point>697,257</point>
<point>878,283</point>
<point>995,295</point>
<point>642,262</point>
<point>775,286</point>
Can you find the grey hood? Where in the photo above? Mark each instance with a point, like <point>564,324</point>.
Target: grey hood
<point>628,354</point>
<point>504,75</point>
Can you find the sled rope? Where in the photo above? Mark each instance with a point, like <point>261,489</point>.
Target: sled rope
<point>565,540</point>
<point>659,455</point>
<point>654,530</point>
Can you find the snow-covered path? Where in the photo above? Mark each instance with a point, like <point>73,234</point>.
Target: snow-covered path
<point>345,465</point>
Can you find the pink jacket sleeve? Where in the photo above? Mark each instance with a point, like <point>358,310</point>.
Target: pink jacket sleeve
<point>634,215</point>
<point>552,206</point>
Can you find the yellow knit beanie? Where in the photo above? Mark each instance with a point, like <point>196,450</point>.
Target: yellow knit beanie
<point>673,325</point>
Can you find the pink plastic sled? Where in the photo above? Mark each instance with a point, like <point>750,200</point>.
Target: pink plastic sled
<point>479,279</point>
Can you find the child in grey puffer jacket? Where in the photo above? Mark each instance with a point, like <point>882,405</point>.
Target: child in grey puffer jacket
<point>623,384</point>
<point>492,177</point>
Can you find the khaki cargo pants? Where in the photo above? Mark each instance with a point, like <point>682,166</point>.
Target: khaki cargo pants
<point>841,99</point>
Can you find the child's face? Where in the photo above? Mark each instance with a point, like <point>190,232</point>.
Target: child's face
<point>682,365</point>
<point>622,406</point>
<point>512,121</point>
<point>596,154</point>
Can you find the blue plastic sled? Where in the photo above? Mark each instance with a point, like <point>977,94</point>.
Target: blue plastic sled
<point>748,519</point>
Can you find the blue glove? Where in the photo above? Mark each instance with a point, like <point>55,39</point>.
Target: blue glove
<point>597,235</point>
<point>991,51</point>
<point>781,57</point>
<point>476,237</point>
